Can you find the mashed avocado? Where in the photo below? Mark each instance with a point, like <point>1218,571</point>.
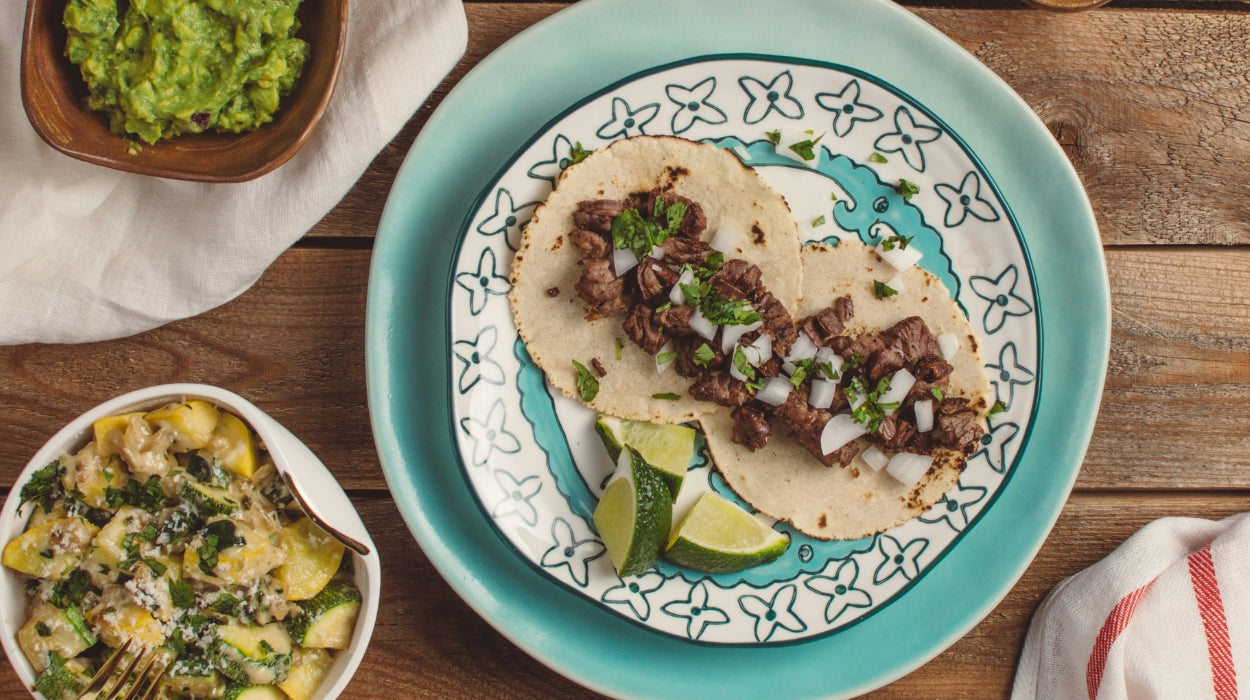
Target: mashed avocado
<point>169,67</point>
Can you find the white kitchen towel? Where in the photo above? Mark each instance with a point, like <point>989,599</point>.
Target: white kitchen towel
<point>89,253</point>
<point>1166,615</point>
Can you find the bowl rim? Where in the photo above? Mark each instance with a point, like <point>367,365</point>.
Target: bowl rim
<point>13,519</point>
<point>140,167</point>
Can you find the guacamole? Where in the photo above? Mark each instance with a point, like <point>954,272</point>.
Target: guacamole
<point>169,67</point>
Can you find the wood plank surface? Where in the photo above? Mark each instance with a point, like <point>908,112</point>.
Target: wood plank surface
<point>1149,100</point>
<point>1150,106</point>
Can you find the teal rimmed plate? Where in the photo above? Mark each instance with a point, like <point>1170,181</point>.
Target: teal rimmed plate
<point>475,450</point>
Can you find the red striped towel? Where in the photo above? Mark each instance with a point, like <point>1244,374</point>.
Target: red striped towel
<point>1166,615</point>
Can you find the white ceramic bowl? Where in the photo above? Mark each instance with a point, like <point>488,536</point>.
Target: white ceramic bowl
<point>315,481</point>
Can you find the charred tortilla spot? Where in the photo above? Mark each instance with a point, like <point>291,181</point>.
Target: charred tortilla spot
<point>558,243</point>
<point>553,292</point>
<point>757,233</point>
<point>675,173</point>
<point>823,521</point>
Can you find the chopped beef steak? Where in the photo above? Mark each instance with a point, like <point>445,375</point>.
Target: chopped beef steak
<point>641,328</point>
<point>600,289</point>
<point>955,425</point>
<point>685,251</point>
<point>592,245</point>
<point>596,215</point>
<point>751,428</point>
<point>654,280</point>
<point>720,388</point>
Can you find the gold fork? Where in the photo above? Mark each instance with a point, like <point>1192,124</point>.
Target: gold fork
<point>142,676</point>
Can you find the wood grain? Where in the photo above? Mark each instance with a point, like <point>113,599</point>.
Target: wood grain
<point>1149,106</point>
<point>1147,98</point>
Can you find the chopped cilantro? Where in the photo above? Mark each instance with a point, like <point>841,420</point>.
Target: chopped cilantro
<point>587,385</point>
<point>703,355</point>
<point>147,495</point>
<point>227,605</point>
<point>878,158</point>
<point>870,412</point>
<point>665,358</point>
<point>774,136</point>
<point>907,189</point>
<point>710,266</point>
<point>667,396</point>
<point>71,589</point>
<point>896,240</point>
<point>805,367</point>
<point>727,312</point>
<point>44,486</point>
<point>156,567</point>
<point>633,231</point>
<point>181,594</point>
<point>619,346</point>
<point>996,409</point>
<point>806,149</point>
<point>744,367</point>
<point>818,221</point>
<point>936,391</point>
<point>882,290</point>
<point>208,554</point>
<point>833,196</point>
<point>577,154</point>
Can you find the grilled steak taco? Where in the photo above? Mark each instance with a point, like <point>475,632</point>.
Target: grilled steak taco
<point>596,282</point>
<point>898,373</point>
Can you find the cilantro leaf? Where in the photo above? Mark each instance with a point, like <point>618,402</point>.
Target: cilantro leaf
<point>665,358</point>
<point>806,149</point>
<point>996,409</point>
<point>587,385</point>
<point>727,312</point>
<point>907,189</point>
<point>577,154</point>
<point>703,355</point>
<point>44,486</point>
<point>181,594</point>
<point>818,221</point>
<point>882,290</point>
<point>896,241</point>
<point>878,158</point>
<point>667,396</point>
<point>936,392</point>
<point>774,136</point>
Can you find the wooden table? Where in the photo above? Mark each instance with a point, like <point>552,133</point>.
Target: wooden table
<point>1149,100</point>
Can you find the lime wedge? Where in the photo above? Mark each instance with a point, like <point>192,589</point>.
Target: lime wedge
<point>718,537</point>
<point>668,448</point>
<point>634,515</point>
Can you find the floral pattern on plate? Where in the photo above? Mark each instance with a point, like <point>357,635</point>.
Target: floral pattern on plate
<point>530,455</point>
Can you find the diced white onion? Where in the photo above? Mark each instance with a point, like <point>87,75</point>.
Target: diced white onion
<point>900,384</point>
<point>702,326</point>
<point>874,457</point>
<point>729,335</point>
<point>821,394</point>
<point>948,343</point>
<point>802,349</point>
<point>896,283</point>
<point>658,253</point>
<point>623,260</point>
<point>908,468</point>
<point>677,296</point>
<point>725,240</point>
<point>840,430</point>
<point>763,345</point>
<point>924,415</point>
<point>775,392</point>
<point>900,258</point>
<point>827,356</point>
<point>662,367</point>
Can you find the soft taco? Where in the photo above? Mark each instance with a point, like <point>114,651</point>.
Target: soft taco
<point>848,309</point>
<point>617,232</point>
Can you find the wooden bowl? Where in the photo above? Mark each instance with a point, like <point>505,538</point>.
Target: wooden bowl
<point>53,93</point>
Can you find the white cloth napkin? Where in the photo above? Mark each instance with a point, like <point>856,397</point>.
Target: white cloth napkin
<point>1166,615</point>
<point>89,253</point>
